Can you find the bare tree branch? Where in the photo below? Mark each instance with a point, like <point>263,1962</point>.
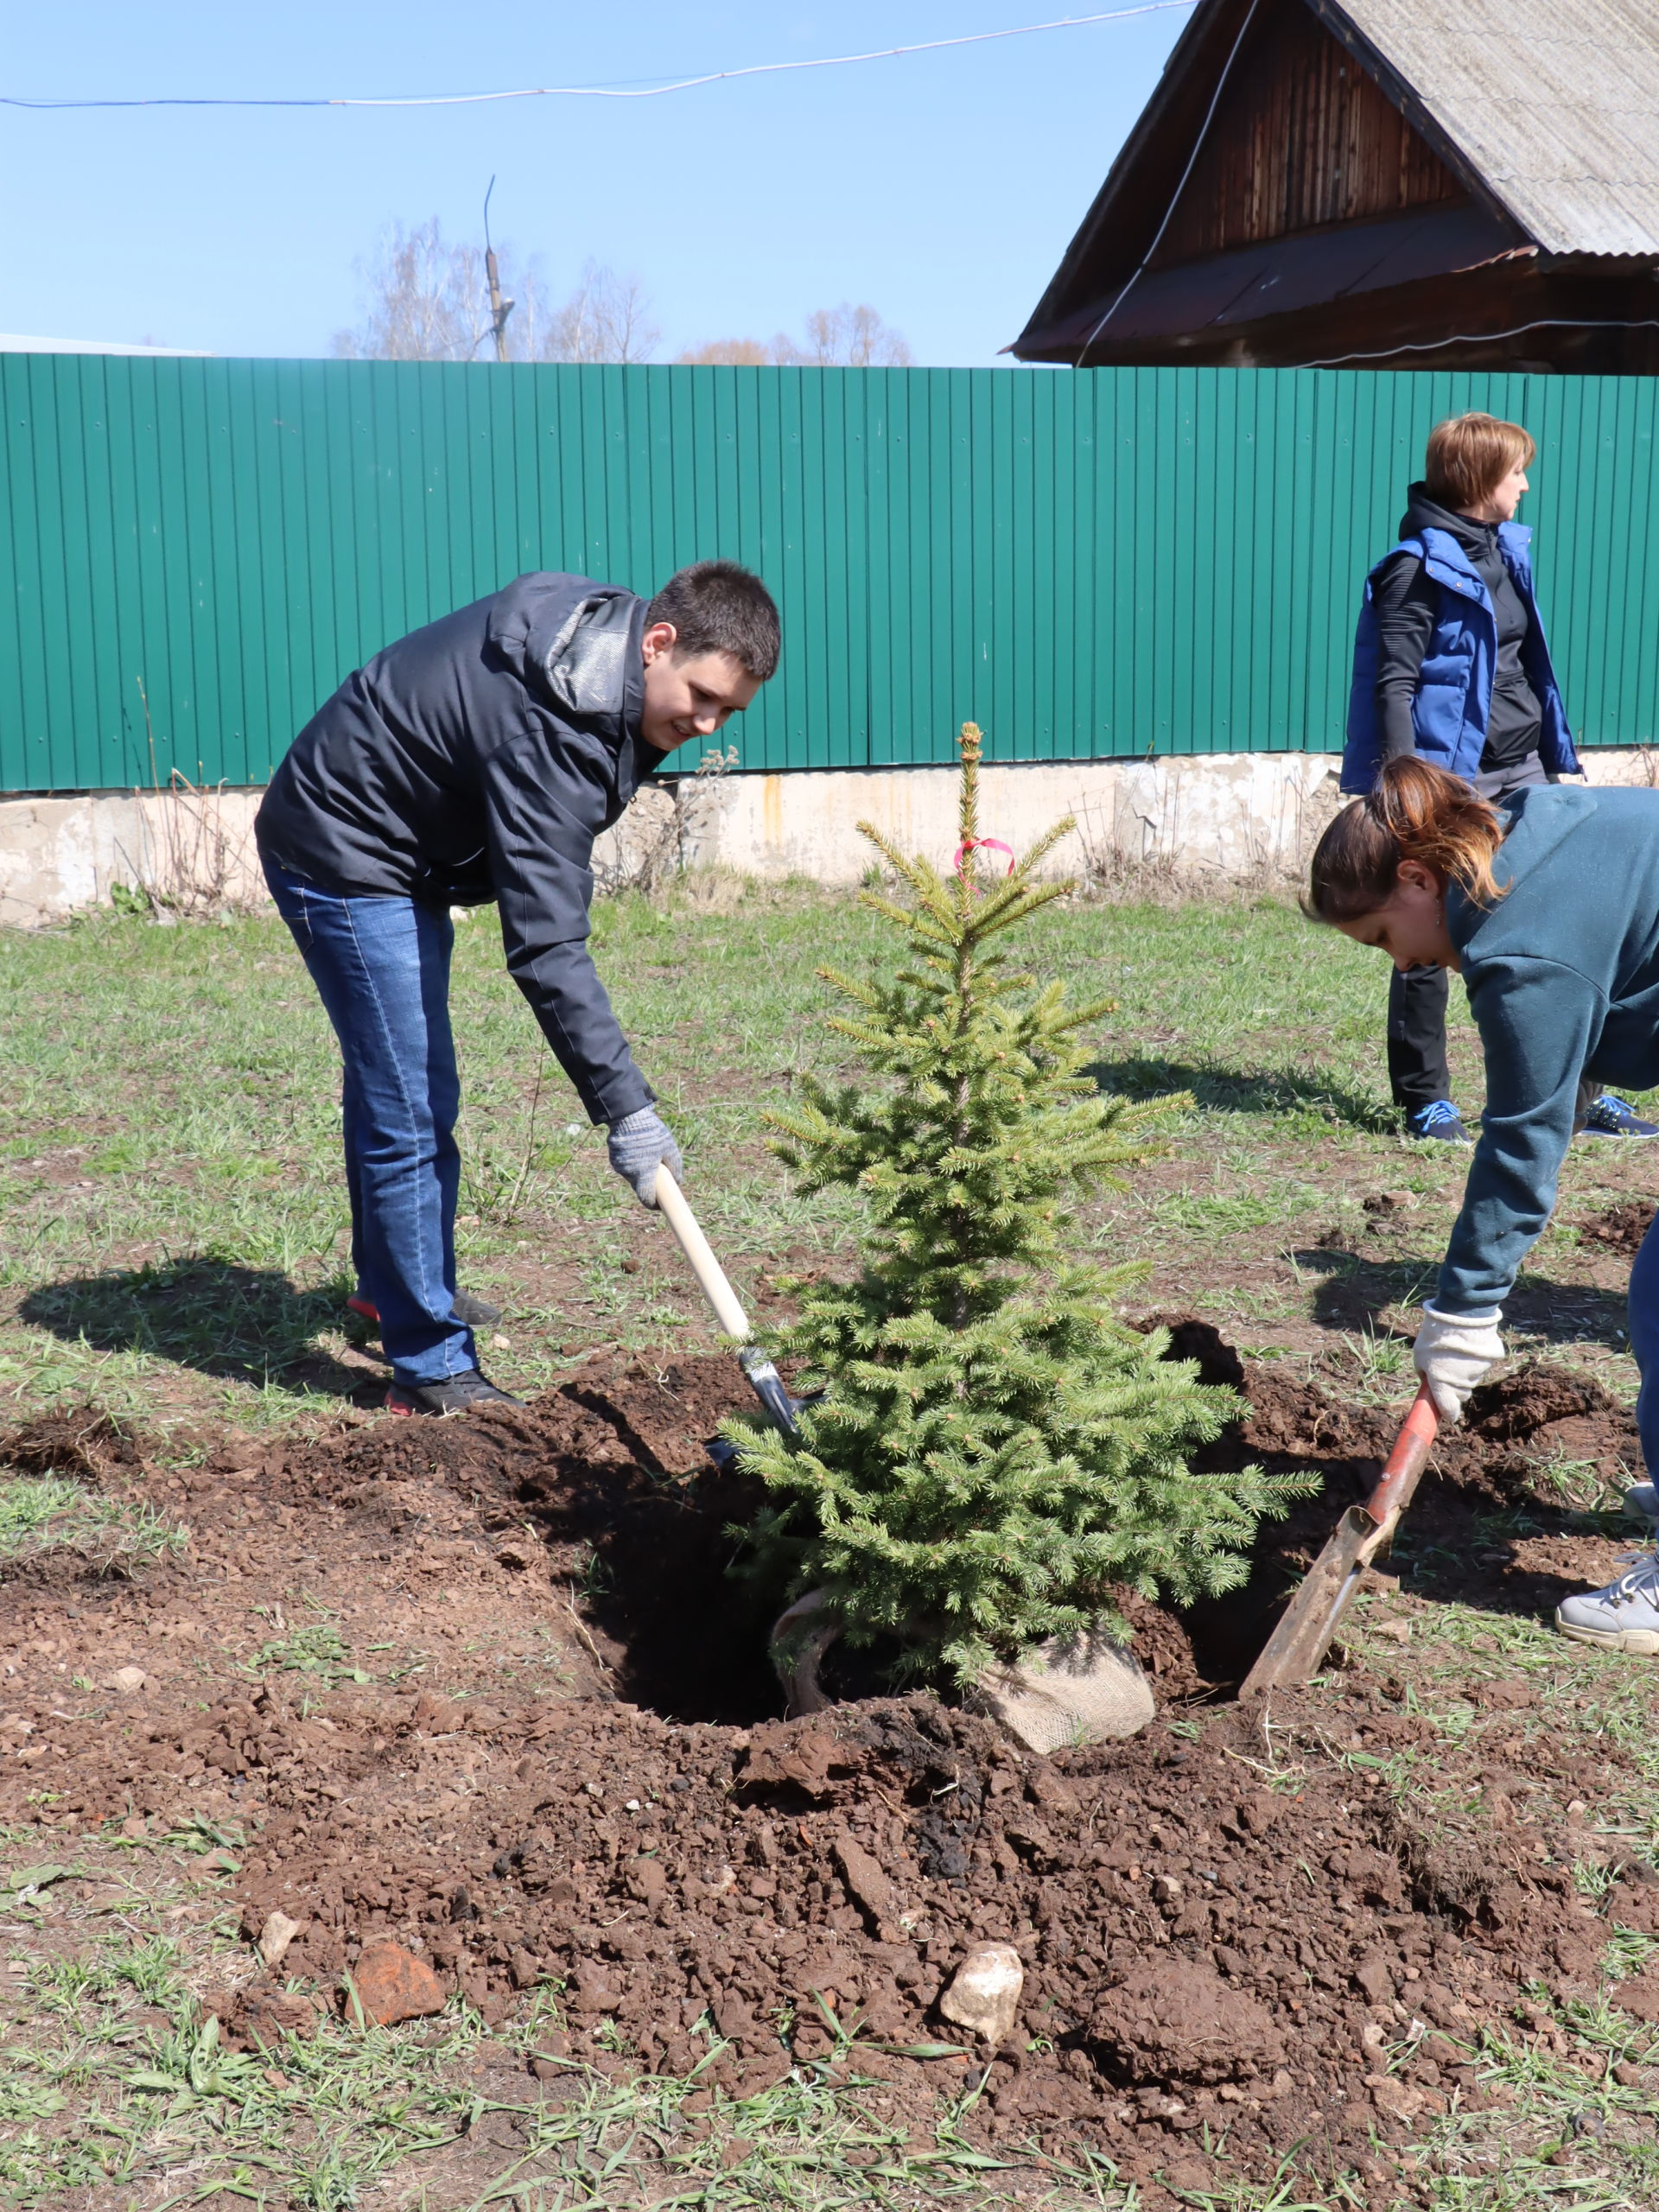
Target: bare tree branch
<point>424,299</point>
<point>607,318</point>
<point>427,299</point>
<point>846,337</point>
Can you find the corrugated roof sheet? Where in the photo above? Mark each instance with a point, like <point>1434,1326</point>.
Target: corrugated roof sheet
<point>1555,103</point>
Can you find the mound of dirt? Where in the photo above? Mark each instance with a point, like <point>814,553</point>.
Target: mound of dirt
<point>1175,2019</point>
<point>1220,1924</point>
<point>1185,1931</point>
<point>1621,1228</point>
<point>82,1440</point>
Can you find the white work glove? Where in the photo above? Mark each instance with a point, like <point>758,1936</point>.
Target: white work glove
<point>638,1144</point>
<point>1453,1351</point>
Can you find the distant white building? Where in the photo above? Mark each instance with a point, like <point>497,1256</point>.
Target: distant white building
<point>12,343</point>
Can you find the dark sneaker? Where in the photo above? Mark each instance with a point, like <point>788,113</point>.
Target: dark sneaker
<point>1440,1121</point>
<point>458,1395</point>
<point>472,1312</point>
<point>1611,1117</point>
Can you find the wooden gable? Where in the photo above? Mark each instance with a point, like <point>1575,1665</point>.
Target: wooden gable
<point>1302,138</point>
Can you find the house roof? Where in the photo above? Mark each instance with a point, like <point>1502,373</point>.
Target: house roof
<point>1552,103</point>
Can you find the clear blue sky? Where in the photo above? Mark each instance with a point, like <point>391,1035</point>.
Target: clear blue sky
<point>942,188</point>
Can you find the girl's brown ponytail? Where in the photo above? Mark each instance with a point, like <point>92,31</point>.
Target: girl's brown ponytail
<point>1413,812</point>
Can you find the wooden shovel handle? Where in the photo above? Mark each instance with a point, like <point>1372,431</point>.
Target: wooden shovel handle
<point>711,1275</point>
<point>1405,1464</point>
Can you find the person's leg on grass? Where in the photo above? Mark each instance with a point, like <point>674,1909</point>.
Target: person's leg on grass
<point>1419,1076</point>
<point>381,967</point>
<point>1624,1616</point>
<point>476,1312</point>
<point>389,984</point>
<point>350,1110</point>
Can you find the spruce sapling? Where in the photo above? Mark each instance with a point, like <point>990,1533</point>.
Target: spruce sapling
<point>995,1447</point>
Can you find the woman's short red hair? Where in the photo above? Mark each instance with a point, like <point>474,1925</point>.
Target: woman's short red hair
<point>1469,456</point>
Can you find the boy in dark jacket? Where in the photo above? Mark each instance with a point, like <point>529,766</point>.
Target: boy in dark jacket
<point>477,760</point>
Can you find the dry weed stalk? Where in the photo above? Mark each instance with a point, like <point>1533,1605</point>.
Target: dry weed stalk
<point>190,864</point>
<point>655,845</point>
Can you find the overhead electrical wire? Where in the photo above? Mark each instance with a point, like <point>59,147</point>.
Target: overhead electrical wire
<point>622,93</point>
<point>1486,337</point>
<point>1139,268</point>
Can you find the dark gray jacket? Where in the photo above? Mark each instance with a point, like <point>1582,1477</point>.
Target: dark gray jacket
<point>477,759</point>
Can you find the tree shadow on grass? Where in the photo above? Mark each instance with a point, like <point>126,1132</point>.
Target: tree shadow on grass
<point>1246,1090</point>
<point>246,1325</point>
<point>1355,1289</point>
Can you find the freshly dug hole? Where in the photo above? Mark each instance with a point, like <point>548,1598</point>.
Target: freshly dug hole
<point>662,1871</point>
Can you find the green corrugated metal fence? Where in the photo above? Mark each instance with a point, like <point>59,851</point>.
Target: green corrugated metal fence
<point>1088,564</point>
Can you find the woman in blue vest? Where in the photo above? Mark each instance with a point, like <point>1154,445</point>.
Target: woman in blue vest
<point>1549,911</point>
<point>1450,664</point>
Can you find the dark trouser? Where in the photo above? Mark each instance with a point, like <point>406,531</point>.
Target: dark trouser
<point>1418,1073</point>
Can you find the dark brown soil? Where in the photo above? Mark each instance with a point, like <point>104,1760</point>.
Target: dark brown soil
<point>1621,1228</point>
<point>1221,1921</point>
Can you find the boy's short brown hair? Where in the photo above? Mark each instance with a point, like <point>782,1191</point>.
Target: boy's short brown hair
<point>1469,456</point>
<point>718,607</point>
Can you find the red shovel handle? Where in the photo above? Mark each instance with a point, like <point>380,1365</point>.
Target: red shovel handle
<point>1408,1460</point>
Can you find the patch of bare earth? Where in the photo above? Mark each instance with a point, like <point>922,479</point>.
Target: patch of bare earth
<point>485,1687</point>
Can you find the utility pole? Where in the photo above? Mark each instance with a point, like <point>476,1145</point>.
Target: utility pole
<point>500,309</point>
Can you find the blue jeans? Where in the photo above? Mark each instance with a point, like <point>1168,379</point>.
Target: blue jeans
<point>1644,1343</point>
<point>381,967</point>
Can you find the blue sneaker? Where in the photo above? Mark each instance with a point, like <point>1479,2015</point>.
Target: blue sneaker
<point>1438,1120</point>
<point>1611,1117</point>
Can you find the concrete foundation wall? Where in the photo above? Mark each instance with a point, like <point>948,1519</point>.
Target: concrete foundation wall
<point>1204,818</point>
<point>1211,814</point>
<point>1207,817</point>
<point>192,850</point>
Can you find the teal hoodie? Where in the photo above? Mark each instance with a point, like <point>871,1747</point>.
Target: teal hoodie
<point>1563,978</point>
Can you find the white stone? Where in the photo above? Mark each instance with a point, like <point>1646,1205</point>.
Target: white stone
<point>1078,1692</point>
<point>276,1935</point>
<point>129,1681</point>
<point>983,1993</point>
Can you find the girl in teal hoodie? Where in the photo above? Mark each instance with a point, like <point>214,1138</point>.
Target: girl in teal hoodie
<point>1549,911</point>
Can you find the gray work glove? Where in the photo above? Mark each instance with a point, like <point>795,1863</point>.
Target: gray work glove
<point>1453,1351</point>
<point>637,1144</point>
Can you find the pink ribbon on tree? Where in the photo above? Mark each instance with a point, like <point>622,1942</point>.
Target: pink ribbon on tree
<point>981,845</point>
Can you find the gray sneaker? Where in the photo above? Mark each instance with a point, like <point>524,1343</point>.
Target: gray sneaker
<point>1642,1503</point>
<point>1624,1616</point>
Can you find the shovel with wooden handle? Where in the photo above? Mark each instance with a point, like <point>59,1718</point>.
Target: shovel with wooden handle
<point>764,1378</point>
<point>1293,1652</point>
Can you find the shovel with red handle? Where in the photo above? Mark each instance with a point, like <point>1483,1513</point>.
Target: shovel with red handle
<point>1293,1653</point>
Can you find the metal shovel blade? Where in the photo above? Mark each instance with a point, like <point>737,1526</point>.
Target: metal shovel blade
<point>763,1377</point>
<point>1295,1651</point>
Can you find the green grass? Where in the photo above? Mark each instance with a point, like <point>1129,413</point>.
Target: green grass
<point>39,1512</point>
<point>172,1244</point>
<point>172,1212</point>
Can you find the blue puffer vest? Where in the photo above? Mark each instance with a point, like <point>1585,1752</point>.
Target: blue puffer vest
<point>1454,688</point>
